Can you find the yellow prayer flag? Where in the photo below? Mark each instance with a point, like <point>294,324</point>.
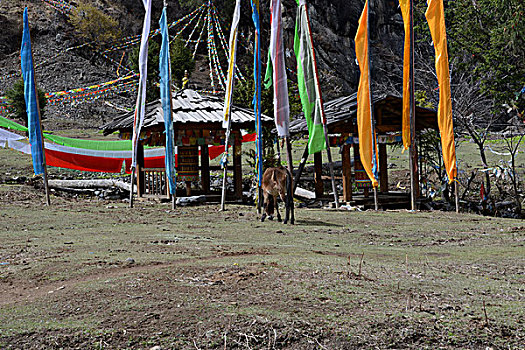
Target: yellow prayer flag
<point>405,126</point>
<point>435,15</point>
<point>364,113</point>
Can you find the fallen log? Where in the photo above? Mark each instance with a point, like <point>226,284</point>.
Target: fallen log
<point>89,184</point>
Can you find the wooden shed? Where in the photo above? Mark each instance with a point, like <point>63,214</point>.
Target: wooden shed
<point>197,123</point>
<point>341,115</point>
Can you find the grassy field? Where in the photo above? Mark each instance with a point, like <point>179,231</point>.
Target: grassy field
<point>91,274</point>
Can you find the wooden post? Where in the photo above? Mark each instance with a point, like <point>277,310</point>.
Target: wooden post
<point>225,164</point>
<point>44,175</point>
<point>278,151</point>
<point>290,206</point>
<point>383,168</point>
<point>205,169</point>
<point>347,173</point>
<point>304,158</point>
<point>318,174</point>
<point>132,178</point>
<point>237,165</point>
<point>414,172</point>
<point>456,190</point>
<point>141,183</point>
<point>331,165</point>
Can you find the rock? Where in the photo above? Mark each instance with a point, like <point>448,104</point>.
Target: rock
<point>187,201</point>
<point>130,261</point>
<point>156,347</point>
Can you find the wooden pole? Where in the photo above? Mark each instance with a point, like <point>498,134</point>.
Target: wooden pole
<point>131,189</point>
<point>44,175</point>
<point>289,198</point>
<point>456,190</point>
<point>325,128</point>
<point>374,140</point>
<point>331,166</point>
<point>347,174</point>
<point>278,151</point>
<point>304,158</point>
<point>414,172</point>
<point>225,164</point>
<point>318,175</point>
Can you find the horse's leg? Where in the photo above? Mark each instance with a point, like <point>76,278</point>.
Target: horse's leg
<point>277,208</point>
<point>265,206</point>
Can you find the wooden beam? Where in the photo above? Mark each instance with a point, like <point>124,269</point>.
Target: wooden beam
<point>318,168</point>
<point>205,169</point>
<point>347,174</point>
<point>237,165</point>
<point>383,168</point>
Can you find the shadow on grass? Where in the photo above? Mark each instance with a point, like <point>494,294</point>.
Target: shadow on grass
<point>306,222</point>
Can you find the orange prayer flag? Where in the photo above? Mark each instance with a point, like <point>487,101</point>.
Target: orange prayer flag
<point>364,108</point>
<point>435,15</point>
<point>405,126</point>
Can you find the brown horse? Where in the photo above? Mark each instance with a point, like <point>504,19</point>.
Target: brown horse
<point>277,183</point>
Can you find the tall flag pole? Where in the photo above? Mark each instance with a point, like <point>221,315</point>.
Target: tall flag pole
<point>435,15</point>
<point>310,89</point>
<point>32,106</point>
<point>226,123</point>
<point>281,106</point>
<point>409,115</point>
<point>140,107</point>
<point>365,124</point>
<point>257,99</point>
<point>165,97</point>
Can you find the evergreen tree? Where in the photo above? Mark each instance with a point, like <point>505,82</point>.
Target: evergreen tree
<point>16,98</point>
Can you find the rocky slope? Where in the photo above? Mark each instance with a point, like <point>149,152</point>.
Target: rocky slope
<point>334,23</point>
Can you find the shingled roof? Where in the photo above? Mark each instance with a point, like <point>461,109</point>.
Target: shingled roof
<point>341,115</point>
<point>189,107</point>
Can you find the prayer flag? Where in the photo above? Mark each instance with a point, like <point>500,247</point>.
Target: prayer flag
<point>307,80</point>
<point>364,104</point>
<point>405,125</point>
<point>31,98</point>
<point>165,97</point>
<point>231,65</point>
<point>140,107</point>
<point>435,15</point>
<point>257,92</point>
<point>281,107</point>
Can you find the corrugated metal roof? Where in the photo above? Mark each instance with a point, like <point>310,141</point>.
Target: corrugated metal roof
<point>342,109</point>
<point>188,107</point>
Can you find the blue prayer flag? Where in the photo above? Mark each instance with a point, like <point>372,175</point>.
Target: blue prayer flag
<point>165,81</point>
<point>30,94</point>
<point>257,93</point>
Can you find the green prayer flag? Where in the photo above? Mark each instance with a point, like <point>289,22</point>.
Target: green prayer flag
<point>268,81</point>
<point>309,89</point>
<point>9,124</point>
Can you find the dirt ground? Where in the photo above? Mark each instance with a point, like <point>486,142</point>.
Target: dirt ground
<point>92,274</point>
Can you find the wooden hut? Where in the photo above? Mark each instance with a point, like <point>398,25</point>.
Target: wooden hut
<point>341,115</point>
<point>197,123</point>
